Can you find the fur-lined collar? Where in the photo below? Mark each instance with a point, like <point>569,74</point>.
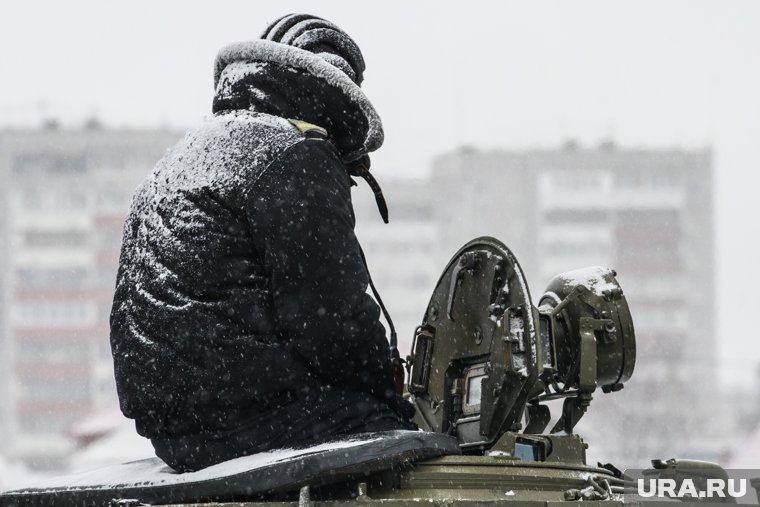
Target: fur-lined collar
<point>265,75</point>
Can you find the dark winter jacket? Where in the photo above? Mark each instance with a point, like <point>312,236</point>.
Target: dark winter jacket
<point>241,282</point>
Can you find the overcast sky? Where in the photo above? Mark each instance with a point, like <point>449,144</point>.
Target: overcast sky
<point>445,74</point>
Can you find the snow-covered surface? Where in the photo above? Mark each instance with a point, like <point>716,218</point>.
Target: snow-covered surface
<point>122,445</point>
<point>218,146</point>
<point>268,51</point>
<point>592,277</point>
<point>154,472</point>
<point>15,475</point>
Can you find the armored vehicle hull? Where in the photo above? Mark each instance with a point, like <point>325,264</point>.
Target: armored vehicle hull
<point>484,363</point>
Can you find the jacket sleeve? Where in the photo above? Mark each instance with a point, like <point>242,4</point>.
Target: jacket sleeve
<point>302,220</point>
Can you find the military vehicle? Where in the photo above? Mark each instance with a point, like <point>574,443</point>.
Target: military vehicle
<point>484,363</point>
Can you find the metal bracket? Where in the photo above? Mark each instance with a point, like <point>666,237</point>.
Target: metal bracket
<point>572,411</point>
<point>467,262</point>
<point>537,417</point>
<point>587,375</point>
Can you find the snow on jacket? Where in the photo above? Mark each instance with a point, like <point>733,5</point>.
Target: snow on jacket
<point>241,281</point>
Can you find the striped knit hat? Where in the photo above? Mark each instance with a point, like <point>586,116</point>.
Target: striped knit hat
<point>320,37</point>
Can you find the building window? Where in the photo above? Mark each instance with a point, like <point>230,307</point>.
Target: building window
<point>72,200</point>
<point>61,389</point>
<point>51,351</point>
<point>113,200</point>
<point>48,421</point>
<point>54,313</point>
<point>35,199</point>
<point>109,238</point>
<point>665,317</point>
<point>29,200</point>
<point>651,179</point>
<point>49,163</point>
<point>657,218</point>
<point>665,285</point>
<point>412,211</point>
<point>588,248</point>
<point>50,277</point>
<point>577,179</point>
<point>576,216</point>
<point>42,238</point>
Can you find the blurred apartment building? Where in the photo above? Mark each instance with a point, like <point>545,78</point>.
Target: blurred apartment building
<point>646,213</point>
<point>64,196</point>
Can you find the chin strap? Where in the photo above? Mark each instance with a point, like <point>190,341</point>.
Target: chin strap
<point>360,169</point>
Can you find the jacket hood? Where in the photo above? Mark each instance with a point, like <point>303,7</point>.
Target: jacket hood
<point>290,82</point>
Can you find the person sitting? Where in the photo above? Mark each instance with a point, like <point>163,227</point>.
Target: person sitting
<point>241,320</point>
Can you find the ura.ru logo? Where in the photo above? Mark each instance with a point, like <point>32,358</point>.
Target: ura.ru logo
<point>710,488</point>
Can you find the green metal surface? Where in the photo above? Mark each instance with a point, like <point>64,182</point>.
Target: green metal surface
<point>484,362</point>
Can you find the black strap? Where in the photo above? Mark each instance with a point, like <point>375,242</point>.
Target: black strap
<point>360,168</point>
<point>382,207</point>
<point>392,328</point>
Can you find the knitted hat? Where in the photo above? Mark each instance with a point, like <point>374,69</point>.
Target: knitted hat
<point>312,47</point>
<point>320,37</point>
